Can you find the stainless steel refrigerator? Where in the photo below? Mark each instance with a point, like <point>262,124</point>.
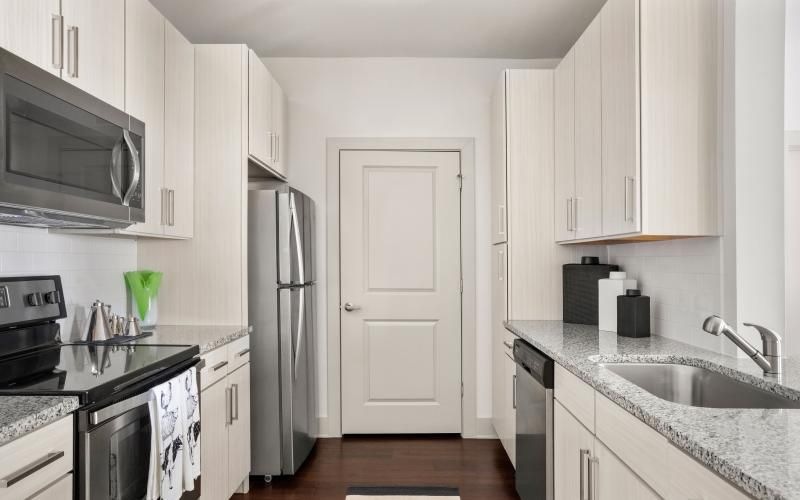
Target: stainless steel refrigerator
<point>281,287</point>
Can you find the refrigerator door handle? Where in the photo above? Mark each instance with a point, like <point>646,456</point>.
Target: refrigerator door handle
<point>301,309</point>
<point>298,239</point>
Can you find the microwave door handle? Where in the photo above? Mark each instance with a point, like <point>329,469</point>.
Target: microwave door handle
<point>115,169</point>
<point>137,168</point>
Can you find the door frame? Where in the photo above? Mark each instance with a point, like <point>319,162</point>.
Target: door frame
<point>331,426</point>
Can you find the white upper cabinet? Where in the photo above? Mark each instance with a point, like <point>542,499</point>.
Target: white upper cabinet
<point>564,89</point>
<point>178,190</point>
<point>645,124</point>
<point>144,99</point>
<point>32,30</point>
<point>94,48</point>
<point>499,150</point>
<point>266,120</point>
<point>588,173</point>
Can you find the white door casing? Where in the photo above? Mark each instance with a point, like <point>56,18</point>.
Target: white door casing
<point>400,268</point>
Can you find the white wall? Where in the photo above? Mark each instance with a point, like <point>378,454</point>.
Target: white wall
<point>90,267</point>
<point>394,97</point>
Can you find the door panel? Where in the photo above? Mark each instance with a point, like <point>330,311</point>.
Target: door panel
<point>499,162</point>
<point>564,79</point>
<point>100,66</point>
<point>214,442</point>
<point>239,430</point>
<point>26,29</point>
<point>569,438</point>
<point>499,315</point>
<point>401,368</point>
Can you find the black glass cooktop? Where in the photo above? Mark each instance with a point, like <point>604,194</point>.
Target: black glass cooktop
<point>88,371</point>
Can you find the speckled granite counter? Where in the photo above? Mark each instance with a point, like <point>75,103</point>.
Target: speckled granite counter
<point>20,415</point>
<point>759,450</point>
<point>207,337</point>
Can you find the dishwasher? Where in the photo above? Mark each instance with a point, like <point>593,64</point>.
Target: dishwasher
<point>534,436</point>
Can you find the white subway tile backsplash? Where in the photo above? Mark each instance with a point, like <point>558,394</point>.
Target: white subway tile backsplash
<point>90,267</point>
<point>683,280</point>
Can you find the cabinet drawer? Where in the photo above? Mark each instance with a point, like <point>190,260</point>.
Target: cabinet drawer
<point>238,353</point>
<point>641,448</point>
<point>216,367</point>
<point>56,491</point>
<point>691,479</point>
<point>576,395</point>
<point>37,459</point>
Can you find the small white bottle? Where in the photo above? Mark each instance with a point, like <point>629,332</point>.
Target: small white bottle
<point>608,290</point>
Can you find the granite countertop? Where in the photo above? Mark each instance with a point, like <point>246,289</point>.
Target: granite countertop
<point>755,449</point>
<point>206,337</point>
<point>20,415</point>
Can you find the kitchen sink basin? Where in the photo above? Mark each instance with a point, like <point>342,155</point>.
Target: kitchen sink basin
<point>694,386</point>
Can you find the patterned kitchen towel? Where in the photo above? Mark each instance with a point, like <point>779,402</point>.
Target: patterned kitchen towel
<point>168,399</point>
<point>153,478</point>
<point>191,428</point>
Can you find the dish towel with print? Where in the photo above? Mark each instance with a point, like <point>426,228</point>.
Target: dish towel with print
<point>191,428</point>
<point>168,399</point>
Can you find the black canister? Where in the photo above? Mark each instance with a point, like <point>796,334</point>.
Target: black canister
<point>580,289</point>
<point>633,314</point>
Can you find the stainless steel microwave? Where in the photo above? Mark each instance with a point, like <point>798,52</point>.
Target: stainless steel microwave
<point>67,159</point>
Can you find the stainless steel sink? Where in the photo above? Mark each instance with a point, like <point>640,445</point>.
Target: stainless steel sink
<point>693,386</point>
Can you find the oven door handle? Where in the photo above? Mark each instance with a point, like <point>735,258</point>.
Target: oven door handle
<point>118,409</point>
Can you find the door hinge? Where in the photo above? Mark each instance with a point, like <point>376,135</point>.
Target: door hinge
<point>460,178</point>
<point>462,389</point>
<point>461,286</point>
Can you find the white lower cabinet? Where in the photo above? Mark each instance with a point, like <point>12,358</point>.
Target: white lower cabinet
<point>39,465</point>
<point>623,458</point>
<point>225,413</point>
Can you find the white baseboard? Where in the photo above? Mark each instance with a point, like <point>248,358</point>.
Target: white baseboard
<point>323,424</point>
<point>483,429</point>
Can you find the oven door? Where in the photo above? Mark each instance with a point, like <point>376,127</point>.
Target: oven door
<point>63,151</point>
<point>114,445</point>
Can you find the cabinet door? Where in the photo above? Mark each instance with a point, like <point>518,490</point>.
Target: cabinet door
<point>588,123</point>
<point>144,99</point>
<point>499,163</point>
<point>239,430</point>
<point>564,79</point>
<point>499,315</point>
<point>56,491</point>
<point>95,48</point>
<point>32,30</point>
<point>619,41</point>
<point>279,107</point>
<point>573,444</point>
<point>260,127</point>
<point>178,133</point>
<point>214,407</point>
<point>613,479</point>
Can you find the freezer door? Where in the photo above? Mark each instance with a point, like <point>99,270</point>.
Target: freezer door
<point>264,342</point>
<point>291,249</point>
<point>297,343</point>
<point>309,235</point>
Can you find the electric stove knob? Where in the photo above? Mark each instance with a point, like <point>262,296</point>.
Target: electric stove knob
<point>34,299</point>
<point>52,297</point>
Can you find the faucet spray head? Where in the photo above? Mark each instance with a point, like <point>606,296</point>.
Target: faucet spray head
<point>714,325</point>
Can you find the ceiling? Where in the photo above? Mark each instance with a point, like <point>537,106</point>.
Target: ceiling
<point>519,29</point>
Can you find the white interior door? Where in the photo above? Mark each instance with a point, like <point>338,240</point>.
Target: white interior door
<point>400,273</point>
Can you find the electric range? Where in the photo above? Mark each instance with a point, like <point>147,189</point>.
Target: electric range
<point>112,381</point>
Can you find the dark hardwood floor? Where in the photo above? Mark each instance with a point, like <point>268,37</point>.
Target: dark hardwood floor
<point>479,468</point>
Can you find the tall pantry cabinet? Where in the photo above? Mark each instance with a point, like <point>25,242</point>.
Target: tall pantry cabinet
<point>526,277</point>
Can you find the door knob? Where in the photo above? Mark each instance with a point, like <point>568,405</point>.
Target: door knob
<point>350,307</point>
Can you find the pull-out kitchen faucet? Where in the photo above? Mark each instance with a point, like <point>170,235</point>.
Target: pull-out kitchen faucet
<point>769,360</point>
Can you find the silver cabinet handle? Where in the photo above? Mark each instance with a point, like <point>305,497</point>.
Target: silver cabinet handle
<point>171,207</point>
<point>584,458</point>
<point>501,219</point>
<point>219,365</point>
<point>31,468</point>
<point>514,391</point>
<point>508,344</point>
<point>228,406</point>
<point>594,463</point>
<point>235,402</point>
<point>72,51</point>
<point>575,214</point>
<point>277,155</point>
<point>569,215</point>
<point>242,352</point>
<point>500,265</point>
<point>164,207</point>
<point>629,181</point>
<point>351,307</point>
<point>57,42</point>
